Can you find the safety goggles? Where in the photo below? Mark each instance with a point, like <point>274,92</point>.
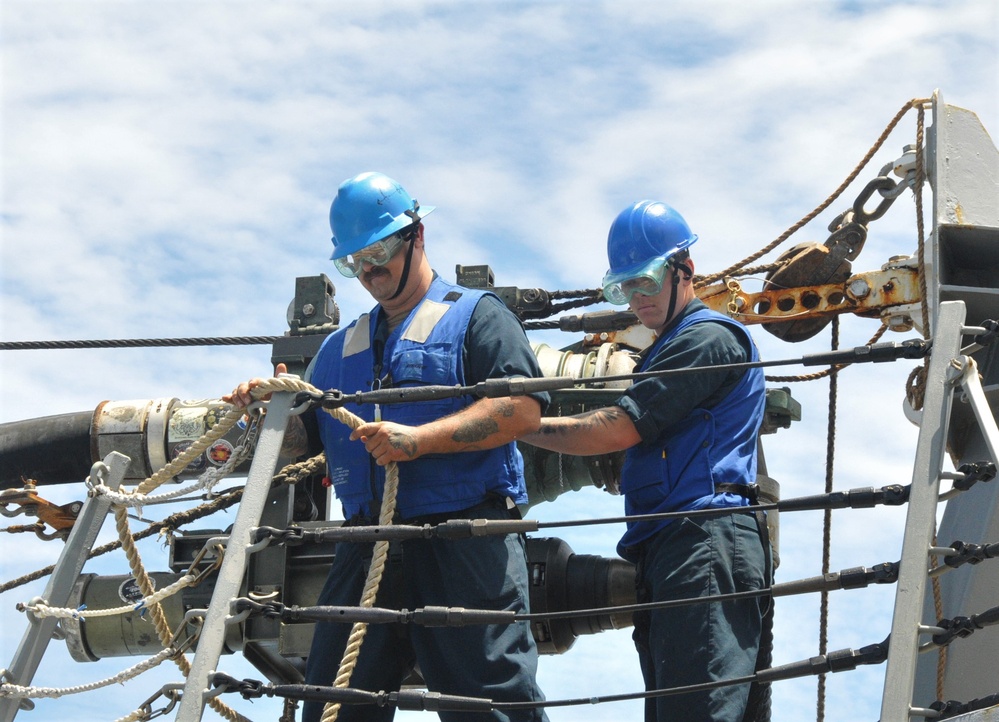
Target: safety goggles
<point>377,254</point>
<point>646,280</point>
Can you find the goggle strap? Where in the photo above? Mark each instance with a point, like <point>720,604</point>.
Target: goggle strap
<point>687,271</point>
<point>405,272</point>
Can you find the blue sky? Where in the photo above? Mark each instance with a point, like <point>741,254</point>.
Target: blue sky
<point>167,171</point>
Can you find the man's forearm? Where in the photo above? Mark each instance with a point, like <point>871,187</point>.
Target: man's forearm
<point>600,431</point>
<point>486,424</point>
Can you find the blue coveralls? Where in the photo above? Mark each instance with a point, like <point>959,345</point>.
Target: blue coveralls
<point>714,443</point>
<point>492,661</point>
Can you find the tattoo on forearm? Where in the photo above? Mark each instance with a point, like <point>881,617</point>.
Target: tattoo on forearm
<point>295,442</point>
<point>404,442</point>
<point>475,431</point>
<point>601,418</point>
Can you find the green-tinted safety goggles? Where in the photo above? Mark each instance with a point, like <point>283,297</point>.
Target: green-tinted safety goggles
<point>646,280</point>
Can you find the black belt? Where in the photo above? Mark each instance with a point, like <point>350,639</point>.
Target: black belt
<point>746,491</point>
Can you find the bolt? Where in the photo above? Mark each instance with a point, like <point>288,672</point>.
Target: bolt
<point>308,309</point>
<point>900,323</point>
<point>859,288</point>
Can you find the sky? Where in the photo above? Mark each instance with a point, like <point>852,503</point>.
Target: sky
<point>167,171</point>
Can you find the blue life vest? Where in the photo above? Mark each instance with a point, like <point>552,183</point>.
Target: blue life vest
<point>425,349</point>
<point>711,446</point>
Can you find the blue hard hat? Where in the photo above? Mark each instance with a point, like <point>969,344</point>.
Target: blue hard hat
<point>644,231</point>
<point>368,208</point>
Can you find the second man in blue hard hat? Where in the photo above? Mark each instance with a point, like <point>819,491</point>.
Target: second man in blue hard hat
<point>690,444</point>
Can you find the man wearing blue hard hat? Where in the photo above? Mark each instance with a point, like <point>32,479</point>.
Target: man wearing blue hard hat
<point>457,458</point>
<point>691,443</point>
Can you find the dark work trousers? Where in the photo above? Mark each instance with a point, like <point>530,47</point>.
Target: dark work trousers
<point>495,661</point>
<point>700,643</point>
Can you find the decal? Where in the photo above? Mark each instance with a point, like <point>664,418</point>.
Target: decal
<point>195,466</point>
<point>186,424</point>
<point>129,591</point>
<point>219,452</point>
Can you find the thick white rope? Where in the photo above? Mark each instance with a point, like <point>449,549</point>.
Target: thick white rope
<point>17,691</point>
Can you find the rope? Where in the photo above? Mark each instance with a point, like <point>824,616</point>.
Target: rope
<point>37,528</point>
<point>375,571</point>
<point>145,583</point>
<point>380,552</point>
<point>159,619</point>
<point>19,692</point>
<point>820,710</point>
<point>136,716</point>
<point>207,481</point>
<point>290,474</point>
<point>822,206</point>
<point>41,609</point>
<point>915,385</point>
<point>142,578</point>
<point>295,472</point>
<point>938,610</point>
<point>191,453</point>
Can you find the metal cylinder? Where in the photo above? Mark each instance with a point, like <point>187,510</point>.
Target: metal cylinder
<point>562,580</point>
<point>133,633</point>
<point>549,474</point>
<point>154,432</point>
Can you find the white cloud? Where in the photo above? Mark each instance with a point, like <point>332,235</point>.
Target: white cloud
<point>167,171</point>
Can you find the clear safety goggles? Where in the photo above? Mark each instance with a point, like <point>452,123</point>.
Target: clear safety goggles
<point>377,254</point>
<point>646,280</point>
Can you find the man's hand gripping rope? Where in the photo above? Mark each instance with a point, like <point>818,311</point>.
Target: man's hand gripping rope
<point>260,389</point>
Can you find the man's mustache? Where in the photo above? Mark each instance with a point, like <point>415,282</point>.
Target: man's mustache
<point>374,272</point>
